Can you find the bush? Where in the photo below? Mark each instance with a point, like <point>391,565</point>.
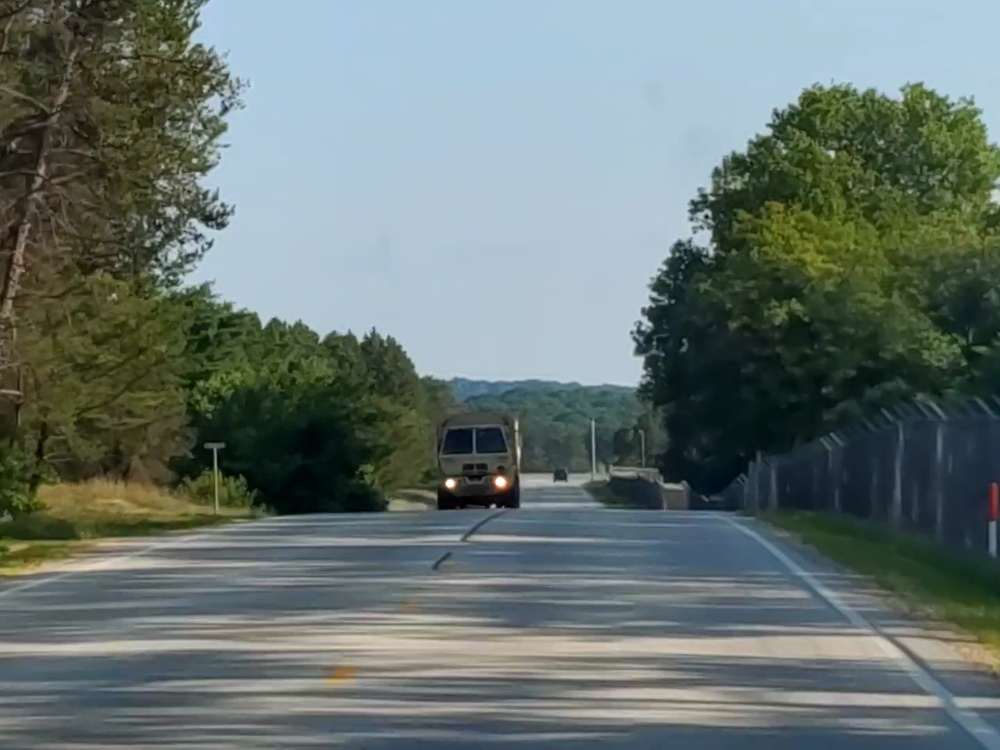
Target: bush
<point>234,492</point>
<point>17,495</point>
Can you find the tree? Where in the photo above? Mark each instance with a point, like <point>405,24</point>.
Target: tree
<point>555,421</point>
<point>313,423</point>
<point>623,446</point>
<point>112,117</point>
<point>838,151</point>
<point>103,383</point>
<point>117,116</point>
<point>820,295</point>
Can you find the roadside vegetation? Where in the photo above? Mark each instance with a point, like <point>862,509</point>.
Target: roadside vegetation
<point>70,516</point>
<point>847,259</point>
<point>114,368</point>
<point>555,421</point>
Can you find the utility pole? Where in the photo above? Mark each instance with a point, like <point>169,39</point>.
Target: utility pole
<point>642,448</point>
<point>215,448</point>
<point>593,450</point>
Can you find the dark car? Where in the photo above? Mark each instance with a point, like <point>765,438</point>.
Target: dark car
<point>560,475</point>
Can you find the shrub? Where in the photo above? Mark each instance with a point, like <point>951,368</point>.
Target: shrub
<point>17,494</point>
<point>234,492</point>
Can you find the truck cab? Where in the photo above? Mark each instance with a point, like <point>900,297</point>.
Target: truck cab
<point>479,461</point>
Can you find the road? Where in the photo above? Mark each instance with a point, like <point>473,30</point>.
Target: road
<point>559,625</point>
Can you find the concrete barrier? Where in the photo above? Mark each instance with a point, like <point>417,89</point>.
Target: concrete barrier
<point>675,496</point>
<point>642,490</point>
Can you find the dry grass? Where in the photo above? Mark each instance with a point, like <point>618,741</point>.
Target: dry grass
<point>100,498</point>
<point>412,499</point>
<point>73,514</point>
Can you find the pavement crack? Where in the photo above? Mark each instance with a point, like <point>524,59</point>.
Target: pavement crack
<point>479,524</point>
<point>467,536</point>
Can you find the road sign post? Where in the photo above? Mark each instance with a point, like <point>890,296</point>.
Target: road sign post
<point>593,450</point>
<point>215,448</point>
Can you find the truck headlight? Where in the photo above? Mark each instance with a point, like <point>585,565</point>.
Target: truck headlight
<point>501,482</point>
<point>450,484</point>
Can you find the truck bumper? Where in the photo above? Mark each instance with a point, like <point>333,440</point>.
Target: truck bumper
<point>482,494</point>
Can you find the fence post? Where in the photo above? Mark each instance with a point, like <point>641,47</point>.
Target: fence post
<point>896,510</point>
<point>994,509</point>
<point>830,483</point>
<point>938,482</point>
<point>756,482</point>
<point>773,491</point>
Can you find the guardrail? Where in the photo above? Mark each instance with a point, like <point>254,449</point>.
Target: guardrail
<point>636,472</point>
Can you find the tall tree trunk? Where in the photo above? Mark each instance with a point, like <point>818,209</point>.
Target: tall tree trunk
<point>38,467</point>
<point>16,249</point>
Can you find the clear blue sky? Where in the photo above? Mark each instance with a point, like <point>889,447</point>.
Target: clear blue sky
<point>495,181</point>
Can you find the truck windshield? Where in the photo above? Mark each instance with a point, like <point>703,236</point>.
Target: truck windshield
<point>457,442</point>
<point>490,440</point>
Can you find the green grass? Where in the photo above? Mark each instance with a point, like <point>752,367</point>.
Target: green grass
<point>73,516</point>
<point>20,556</point>
<point>957,587</point>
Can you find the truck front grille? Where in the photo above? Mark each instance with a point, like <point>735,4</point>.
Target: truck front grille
<point>473,468</point>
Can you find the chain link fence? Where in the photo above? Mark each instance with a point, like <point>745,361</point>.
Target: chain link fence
<point>925,466</point>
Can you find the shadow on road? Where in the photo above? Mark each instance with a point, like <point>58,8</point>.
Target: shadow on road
<point>546,632</point>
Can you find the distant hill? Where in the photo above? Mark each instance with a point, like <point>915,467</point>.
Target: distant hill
<point>556,418</point>
<point>466,388</point>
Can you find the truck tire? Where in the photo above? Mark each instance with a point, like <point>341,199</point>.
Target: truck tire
<point>446,501</point>
<point>513,499</point>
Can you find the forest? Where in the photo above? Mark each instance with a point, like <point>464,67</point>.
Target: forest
<point>845,260</point>
<point>112,364</point>
<point>555,419</point>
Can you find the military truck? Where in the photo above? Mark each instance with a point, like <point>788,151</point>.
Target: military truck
<point>479,461</point>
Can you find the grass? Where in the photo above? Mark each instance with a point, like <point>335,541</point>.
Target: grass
<point>406,499</point>
<point>960,588</point>
<point>73,516</point>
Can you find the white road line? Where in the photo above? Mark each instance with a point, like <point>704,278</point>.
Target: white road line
<point>970,721</point>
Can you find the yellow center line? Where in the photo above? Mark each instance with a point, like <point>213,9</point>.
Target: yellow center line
<point>341,674</point>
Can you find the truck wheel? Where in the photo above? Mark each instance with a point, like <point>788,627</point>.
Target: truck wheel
<point>446,501</point>
<point>514,498</point>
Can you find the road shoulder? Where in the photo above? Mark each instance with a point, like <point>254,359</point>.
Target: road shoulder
<point>952,657</point>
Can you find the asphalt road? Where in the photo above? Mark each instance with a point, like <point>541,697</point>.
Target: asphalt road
<point>559,625</point>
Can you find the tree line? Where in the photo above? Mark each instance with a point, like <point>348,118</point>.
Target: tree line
<point>111,363</point>
<point>555,422</point>
<point>846,259</point>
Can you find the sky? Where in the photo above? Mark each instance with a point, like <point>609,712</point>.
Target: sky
<point>495,182</point>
